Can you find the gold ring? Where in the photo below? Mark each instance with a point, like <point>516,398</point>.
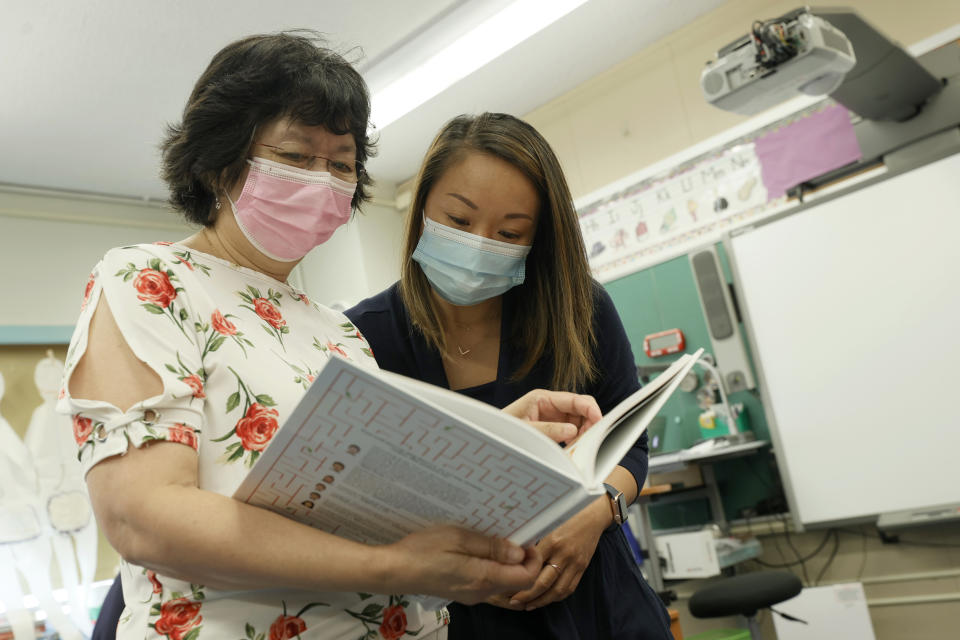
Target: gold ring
<point>557,567</point>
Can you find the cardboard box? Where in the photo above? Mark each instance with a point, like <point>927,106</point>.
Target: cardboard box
<point>682,479</point>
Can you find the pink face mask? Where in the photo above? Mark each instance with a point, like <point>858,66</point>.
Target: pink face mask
<point>285,211</point>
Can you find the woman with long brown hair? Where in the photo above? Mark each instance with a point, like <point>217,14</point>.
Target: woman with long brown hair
<point>496,299</point>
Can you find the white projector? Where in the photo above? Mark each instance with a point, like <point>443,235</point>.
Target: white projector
<point>798,52</point>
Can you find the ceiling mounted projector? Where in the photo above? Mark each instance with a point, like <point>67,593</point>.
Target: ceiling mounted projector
<point>798,52</point>
<point>831,52</point>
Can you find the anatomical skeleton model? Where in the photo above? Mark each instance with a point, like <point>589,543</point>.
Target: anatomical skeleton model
<point>63,492</point>
<point>25,540</point>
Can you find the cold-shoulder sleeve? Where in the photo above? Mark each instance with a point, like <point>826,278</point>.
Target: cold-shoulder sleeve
<point>148,295</point>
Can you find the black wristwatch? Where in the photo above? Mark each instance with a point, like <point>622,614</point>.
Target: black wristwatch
<point>618,504</point>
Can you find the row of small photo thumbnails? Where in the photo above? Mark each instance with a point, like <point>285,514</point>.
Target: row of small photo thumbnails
<point>328,479</point>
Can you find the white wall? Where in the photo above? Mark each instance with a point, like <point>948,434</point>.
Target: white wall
<point>48,245</point>
<point>334,272</point>
<point>381,232</point>
<point>49,242</point>
<point>361,259</point>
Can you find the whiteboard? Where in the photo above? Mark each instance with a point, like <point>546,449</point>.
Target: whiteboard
<point>853,311</point>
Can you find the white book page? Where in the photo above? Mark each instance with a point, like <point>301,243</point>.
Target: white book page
<point>601,448</point>
<point>492,421</point>
<point>362,460</point>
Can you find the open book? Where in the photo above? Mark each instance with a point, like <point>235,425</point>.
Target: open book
<point>372,456</point>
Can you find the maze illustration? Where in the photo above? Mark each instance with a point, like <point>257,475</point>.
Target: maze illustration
<point>489,487</point>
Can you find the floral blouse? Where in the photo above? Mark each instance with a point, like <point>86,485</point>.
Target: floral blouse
<point>235,350</point>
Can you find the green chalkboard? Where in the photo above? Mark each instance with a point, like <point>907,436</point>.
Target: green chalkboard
<point>665,297</point>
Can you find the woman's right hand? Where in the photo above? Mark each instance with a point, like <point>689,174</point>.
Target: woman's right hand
<point>560,415</point>
<point>458,564</point>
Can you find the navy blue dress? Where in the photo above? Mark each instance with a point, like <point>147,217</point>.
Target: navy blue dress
<point>612,600</point>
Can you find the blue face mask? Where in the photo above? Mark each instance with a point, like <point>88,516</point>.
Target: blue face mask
<point>466,269</point>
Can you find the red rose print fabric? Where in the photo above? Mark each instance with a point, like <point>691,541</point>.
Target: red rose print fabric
<point>86,292</point>
<point>155,287</point>
<point>394,623</point>
<point>178,619</point>
<point>183,434</point>
<point>195,383</point>
<point>287,627</point>
<point>221,325</point>
<point>157,587</point>
<point>82,428</point>
<point>235,350</point>
<point>269,313</point>
<point>256,427</point>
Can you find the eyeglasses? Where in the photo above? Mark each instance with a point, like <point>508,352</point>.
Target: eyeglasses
<point>343,169</point>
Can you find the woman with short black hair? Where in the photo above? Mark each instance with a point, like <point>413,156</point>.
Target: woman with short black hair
<point>248,84</point>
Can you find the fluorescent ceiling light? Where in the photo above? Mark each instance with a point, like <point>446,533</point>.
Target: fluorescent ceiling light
<point>485,42</point>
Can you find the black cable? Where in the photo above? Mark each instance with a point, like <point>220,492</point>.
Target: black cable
<point>786,565</point>
<point>776,543</point>
<point>772,565</point>
<point>784,46</point>
<point>833,554</point>
<point>771,50</point>
<point>912,543</point>
<point>917,543</point>
<point>761,55</point>
<point>863,558</point>
<point>772,41</point>
<point>787,616</point>
<point>796,552</point>
<point>753,469</point>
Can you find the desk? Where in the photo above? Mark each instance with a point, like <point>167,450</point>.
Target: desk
<point>675,461</point>
<point>705,457</point>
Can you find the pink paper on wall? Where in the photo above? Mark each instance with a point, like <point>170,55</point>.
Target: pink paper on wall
<point>807,148</point>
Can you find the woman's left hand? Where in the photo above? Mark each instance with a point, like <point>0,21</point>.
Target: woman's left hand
<point>566,551</point>
<point>560,415</point>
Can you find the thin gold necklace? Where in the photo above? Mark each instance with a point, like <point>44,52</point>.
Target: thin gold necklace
<point>467,328</point>
<point>464,352</point>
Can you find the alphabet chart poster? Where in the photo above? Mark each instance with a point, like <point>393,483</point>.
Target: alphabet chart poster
<point>670,213</point>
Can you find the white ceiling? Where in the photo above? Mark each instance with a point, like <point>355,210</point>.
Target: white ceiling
<point>86,87</point>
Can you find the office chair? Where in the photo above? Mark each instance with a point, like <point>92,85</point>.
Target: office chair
<point>745,595</point>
